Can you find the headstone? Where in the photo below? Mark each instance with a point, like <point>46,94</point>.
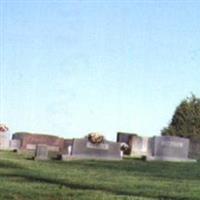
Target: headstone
<point>194,151</point>
<point>125,137</point>
<point>134,147</point>
<point>30,140</point>
<point>169,148</point>
<point>15,144</point>
<point>140,146</point>
<point>41,152</point>
<point>84,149</point>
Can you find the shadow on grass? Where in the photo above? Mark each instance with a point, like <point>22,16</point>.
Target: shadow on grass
<point>10,165</point>
<point>77,186</point>
<point>166,170</point>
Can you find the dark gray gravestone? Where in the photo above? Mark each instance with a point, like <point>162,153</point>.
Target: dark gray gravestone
<point>83,149</point>
<point>41,152</point>
<point>170,148</point>
<point>125,137</point>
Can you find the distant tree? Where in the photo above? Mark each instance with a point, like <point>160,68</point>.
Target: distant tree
<point>186,119</point>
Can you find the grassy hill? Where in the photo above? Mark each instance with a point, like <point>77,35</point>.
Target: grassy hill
<point>22,178</point>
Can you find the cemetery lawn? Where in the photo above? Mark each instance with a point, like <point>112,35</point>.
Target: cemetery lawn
<point>22,178</point>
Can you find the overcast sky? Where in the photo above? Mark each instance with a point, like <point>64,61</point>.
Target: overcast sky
<point>72,67</point>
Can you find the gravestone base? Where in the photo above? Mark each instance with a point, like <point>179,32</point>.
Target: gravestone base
<point>66,157</point>
<point>171,159</point>
<point>39,158</point>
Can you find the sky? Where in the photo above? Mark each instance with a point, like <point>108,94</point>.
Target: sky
<point>68,68</point>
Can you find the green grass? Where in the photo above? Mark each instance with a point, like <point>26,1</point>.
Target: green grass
<point>22,178</point>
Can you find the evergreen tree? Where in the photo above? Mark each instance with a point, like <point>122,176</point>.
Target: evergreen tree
<point>186,119</point>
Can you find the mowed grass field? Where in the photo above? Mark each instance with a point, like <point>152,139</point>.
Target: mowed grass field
<point>22,178</point>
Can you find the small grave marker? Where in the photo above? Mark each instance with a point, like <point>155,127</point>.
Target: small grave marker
<point>41,152</point>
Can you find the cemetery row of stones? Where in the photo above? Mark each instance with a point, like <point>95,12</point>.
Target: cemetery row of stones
<point>95,146</point>
<point>169,148</point>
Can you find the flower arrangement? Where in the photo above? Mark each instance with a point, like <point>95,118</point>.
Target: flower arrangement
<point>95,138</point>
<point>3,128</point>
<point>125,148</point>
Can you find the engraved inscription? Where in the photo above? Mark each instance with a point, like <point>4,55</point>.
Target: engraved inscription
<point>101,146</point>
<point>171,144</point>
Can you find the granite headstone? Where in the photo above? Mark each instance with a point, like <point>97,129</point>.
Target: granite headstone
<point>84,149</point>
<point>169,148</point>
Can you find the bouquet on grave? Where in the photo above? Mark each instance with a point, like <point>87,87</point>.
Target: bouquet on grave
<point>96,138</point>
<point>3,128</point>
<point>125,148</point>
